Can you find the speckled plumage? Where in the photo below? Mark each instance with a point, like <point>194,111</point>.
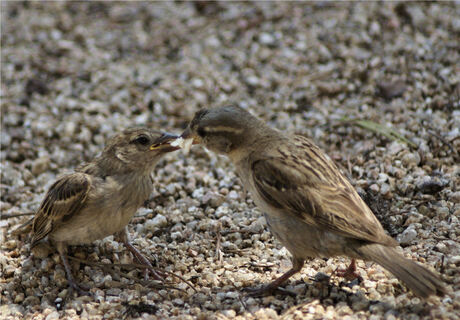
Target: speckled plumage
<point>100,198</point>
<point>309,205</point>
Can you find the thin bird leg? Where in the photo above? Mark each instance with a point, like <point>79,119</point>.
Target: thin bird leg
<point>68,270</point>
<point>269,289</point>
<point>349,273</point>
<point>156,274</point>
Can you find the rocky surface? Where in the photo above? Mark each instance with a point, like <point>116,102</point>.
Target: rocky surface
<point>75,73</point>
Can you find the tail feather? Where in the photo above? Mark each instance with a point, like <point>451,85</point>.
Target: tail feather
<point>417,278</point>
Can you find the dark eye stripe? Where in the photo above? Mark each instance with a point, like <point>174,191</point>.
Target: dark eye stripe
<point>143,140</point>
<point>201,132</point>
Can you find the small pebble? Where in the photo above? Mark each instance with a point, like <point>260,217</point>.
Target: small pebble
<point>407,236</point>
<point>75,74</point>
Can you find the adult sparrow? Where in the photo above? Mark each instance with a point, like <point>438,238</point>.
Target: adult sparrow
<point>100,197</point>
<point>309,205</point>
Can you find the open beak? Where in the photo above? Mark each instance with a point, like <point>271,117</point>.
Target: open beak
<point>163,143</point>
<point>187,134</point>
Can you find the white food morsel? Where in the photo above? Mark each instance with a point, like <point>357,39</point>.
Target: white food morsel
<point>179,142</point>
<point>185,144</point>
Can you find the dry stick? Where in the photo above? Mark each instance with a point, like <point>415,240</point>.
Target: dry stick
<point>218,241</point>
<point>226,232</point>
<point>23,228</point>
<point>255,265</point>
<point>15,215</point>
<point>109,268</point>
<point>239,297</point>
<point>350,169</point>
<point>136,266</point>
<point>106,267</point>
<point>447,143</point>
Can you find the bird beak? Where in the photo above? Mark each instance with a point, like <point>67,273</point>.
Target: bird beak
<point>163,143</point>
<point>187,134</point>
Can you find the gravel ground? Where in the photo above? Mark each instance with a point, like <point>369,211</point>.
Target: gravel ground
<point>75,73</point>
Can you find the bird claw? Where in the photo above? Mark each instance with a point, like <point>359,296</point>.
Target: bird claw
<point>80,289</point>
<point>156,274</point>
<point>349,273</point>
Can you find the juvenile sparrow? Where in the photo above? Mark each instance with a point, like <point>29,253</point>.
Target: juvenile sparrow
<point>309,205</point>
<point>100,197</point>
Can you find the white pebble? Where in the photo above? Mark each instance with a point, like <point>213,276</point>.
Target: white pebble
<point>407,236</point>
<point>157,222</point>
<point>229,313</point>
<point>53,316</point>
<point>266,38</point>
<point>222,211</point>
<point>176,235</point>
<point>233,195</point>
<point>411,159</point>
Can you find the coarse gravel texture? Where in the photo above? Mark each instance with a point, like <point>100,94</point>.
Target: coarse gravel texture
<point>75,73</point>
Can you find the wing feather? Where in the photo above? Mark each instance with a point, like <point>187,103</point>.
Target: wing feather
<point>63,199</point>
<point>303,181</point>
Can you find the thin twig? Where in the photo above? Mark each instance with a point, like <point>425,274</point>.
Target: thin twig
<point>379,129</point>
<point>345,171</point>
<point>349,167</point>
<point>136,266</point>
<point>15,215</point>
<point>245,306</point>
<point>226,232</point>
<point>255,265</point>
<point>110,269</point>
<point>442,264</point>
<point>218,243</point>
<point>447,143</point>
<point>24,228</point>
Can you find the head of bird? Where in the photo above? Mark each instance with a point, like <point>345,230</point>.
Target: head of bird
<point>137,149</point>
<point>225,130</point>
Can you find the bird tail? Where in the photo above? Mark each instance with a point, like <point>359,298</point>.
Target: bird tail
<point>417,278</point>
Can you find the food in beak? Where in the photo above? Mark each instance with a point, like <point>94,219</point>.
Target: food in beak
<point>182,143</point>
<point>164,141</point>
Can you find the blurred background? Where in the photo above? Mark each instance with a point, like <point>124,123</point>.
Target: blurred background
<point>74,73</point>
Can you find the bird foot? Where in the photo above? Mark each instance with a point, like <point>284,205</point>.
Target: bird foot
<point>80,289</point>
<point>349,273</point>
<point>149,269</point>
<point>156,274</point>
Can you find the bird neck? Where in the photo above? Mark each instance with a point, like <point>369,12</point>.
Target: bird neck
<point>259,138</point>
<point>135,189</point>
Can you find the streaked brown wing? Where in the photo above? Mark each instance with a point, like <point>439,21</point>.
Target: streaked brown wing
<point>63,199</point>
<point>294,185</point>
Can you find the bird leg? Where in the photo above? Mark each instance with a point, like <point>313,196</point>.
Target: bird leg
<point>157,275</point>
<point>270,288</point>
<point>68,271</point>
<point>349,273</point>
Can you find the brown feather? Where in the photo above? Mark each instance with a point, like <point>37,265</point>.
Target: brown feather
<point>63,199</point>
<point>308,203</point>
<point>298,178</point>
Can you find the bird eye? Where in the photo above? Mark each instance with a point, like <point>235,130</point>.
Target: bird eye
<point>201,132</point>
<point>143,140</point>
